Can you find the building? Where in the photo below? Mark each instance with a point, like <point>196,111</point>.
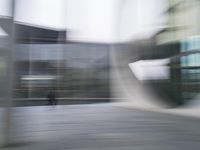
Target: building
<point>45,60</point>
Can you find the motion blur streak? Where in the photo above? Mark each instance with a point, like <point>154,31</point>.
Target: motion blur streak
<point>99,74</point>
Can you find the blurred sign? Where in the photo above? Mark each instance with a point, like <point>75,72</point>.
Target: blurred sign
<point>151,69</point>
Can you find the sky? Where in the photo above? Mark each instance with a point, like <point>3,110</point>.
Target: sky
<point>92,20</point>
<point>142,18</point>
<point>5,6</point>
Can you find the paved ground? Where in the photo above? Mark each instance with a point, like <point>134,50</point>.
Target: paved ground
<point>102,127</point>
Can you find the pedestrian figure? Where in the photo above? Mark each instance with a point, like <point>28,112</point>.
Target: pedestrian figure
<point>51,98</point>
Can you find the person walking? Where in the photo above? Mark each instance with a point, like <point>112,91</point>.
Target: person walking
<point>51,96</point>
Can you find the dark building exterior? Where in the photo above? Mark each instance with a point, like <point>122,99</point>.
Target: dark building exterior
<point>44,60</point>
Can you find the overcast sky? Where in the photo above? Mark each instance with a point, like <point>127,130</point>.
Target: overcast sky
<point>91,20</point>
<point>5,6</point>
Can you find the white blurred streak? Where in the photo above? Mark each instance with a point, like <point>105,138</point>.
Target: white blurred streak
<point>150,69</point>
<point>38,77</point>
